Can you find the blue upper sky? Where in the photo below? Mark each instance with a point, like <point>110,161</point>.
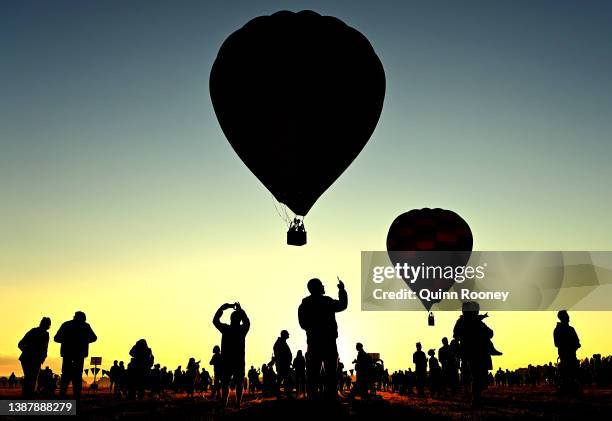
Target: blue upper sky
<point>495,109</point>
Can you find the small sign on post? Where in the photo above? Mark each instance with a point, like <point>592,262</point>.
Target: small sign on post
<point>95,361</point>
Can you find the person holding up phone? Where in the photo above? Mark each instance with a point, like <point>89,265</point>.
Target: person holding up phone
<point>232,349</point>
<point>317,316</point>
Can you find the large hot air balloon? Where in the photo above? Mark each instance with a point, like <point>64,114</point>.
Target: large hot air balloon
<point>433,237</point>
<point>298,96</point>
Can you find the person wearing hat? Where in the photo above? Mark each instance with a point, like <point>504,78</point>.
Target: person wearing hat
<point>474,338</point>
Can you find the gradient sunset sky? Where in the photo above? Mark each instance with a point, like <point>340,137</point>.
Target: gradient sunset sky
<point>120,196</point>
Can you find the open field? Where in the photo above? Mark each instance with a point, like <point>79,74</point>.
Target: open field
<point>499,404</point>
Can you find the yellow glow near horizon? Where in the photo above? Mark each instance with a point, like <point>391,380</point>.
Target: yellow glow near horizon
<point>171,303</point>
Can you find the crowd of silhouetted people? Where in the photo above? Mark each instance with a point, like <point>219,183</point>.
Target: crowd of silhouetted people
<point>594,371</point>
<point>461,365</point>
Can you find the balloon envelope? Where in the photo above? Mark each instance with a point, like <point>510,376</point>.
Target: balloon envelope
<point>433,237</point>
<point>298,96</point>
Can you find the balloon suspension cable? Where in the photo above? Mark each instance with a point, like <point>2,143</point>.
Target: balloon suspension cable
<point>284,217</point>
<point>288,218</point>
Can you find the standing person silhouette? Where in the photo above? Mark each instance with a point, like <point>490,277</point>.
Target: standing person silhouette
<point>217,363</point>
<point>453,368</point>
<point>177,380</point>
<point>567,343</point>
<point>138,368</point>
<point>363,368</point>
<point>75,336</point>
<point>420,369</point>
<point>12,380</point>
<point>474,338</point>
<point>299,365</point>
<point>282,360</point>
<point>317,316</point>
<point>232,348</point>
<point>121,382</point>
<point>192,376</point>
<point>33,348</point>
<point>447,362</point>
<point>435,374</point>
<point>253,377</point>
<point>113,375</point>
